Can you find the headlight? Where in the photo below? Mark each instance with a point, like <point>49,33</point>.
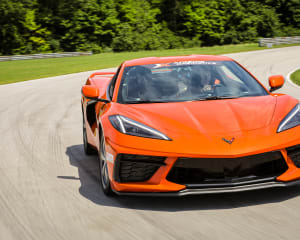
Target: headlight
<point>291,120</point>
<point>128,126</point>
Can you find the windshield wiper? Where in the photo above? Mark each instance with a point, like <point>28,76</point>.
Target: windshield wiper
<point>220,97</point>
<point>216,98</point>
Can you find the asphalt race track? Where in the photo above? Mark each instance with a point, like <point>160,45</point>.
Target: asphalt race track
<point>49,188</point>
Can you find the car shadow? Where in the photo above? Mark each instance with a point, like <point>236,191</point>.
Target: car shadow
<point>90,188</point>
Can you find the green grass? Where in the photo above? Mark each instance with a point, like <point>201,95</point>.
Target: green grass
<point>16,71</point>
<point>296,77</point>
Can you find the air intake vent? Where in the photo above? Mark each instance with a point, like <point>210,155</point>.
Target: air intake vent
<point>227,170</point>
<point>136,168</point>
<point>294,154</point>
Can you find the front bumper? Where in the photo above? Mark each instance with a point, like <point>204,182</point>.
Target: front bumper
<point>160,183</point>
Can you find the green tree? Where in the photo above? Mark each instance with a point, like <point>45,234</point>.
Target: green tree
<point>80,25</point>
<point>29,26</point>
<point>248,20</point>
<point>138,27</point>
<point>204,20</point>
<point>20,33</point>
<point>288,12</point>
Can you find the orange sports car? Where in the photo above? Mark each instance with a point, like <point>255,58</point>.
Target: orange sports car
<point>189,125</point>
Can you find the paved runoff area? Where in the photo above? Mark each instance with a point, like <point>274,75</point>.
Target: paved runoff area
<point>49,187</point>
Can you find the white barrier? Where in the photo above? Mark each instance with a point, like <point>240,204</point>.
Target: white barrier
<point>278,40</point>
<point>43,55</point>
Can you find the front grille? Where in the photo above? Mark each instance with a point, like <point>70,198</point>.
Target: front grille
<point>136,168</point>
<point>222,171</point>
<point>294,154</point>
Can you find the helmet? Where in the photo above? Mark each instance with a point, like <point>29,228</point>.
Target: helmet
<point>138,77</point>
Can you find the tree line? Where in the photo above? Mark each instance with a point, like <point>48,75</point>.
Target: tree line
<point>34,26</point>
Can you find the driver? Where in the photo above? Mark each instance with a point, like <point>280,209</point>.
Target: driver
<point>139,83</point>
<point>201,81</point>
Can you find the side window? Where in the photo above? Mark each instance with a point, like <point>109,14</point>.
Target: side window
<point>111,86</point>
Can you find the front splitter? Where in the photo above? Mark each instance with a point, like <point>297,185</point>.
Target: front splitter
<point>214,190</point>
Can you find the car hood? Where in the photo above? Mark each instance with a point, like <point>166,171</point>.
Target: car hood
<point>211,117</point>
<point>197,128</point>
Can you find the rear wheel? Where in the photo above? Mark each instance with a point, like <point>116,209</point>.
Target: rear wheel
<point>88,149</point>
<point>104,177</point>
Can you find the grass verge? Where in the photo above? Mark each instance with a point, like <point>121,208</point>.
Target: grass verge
<point>295,77</point>
<point>22,70</point>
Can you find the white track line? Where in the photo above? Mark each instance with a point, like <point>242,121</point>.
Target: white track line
<point>290,80</point>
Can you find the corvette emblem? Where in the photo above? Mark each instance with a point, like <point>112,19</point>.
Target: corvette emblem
<point>228,141</point>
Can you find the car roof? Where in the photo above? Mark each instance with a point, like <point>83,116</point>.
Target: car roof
<point>155,60</point>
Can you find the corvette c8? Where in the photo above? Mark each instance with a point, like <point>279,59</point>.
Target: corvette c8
<point>189,125</point>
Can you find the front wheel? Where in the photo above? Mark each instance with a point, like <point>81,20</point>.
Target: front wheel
<point>104,177</point>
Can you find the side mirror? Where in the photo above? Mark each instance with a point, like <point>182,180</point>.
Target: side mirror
<point>92,93</point>
<point>276,82</point>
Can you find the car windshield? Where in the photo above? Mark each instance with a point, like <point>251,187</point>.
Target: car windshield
<point>187,81</point>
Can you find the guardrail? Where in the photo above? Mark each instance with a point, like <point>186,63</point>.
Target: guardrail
<point>269,42</point>
<point>43,55</point>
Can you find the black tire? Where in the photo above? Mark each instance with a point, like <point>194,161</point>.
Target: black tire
<point>103,171</point>
<point>88,149</point>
